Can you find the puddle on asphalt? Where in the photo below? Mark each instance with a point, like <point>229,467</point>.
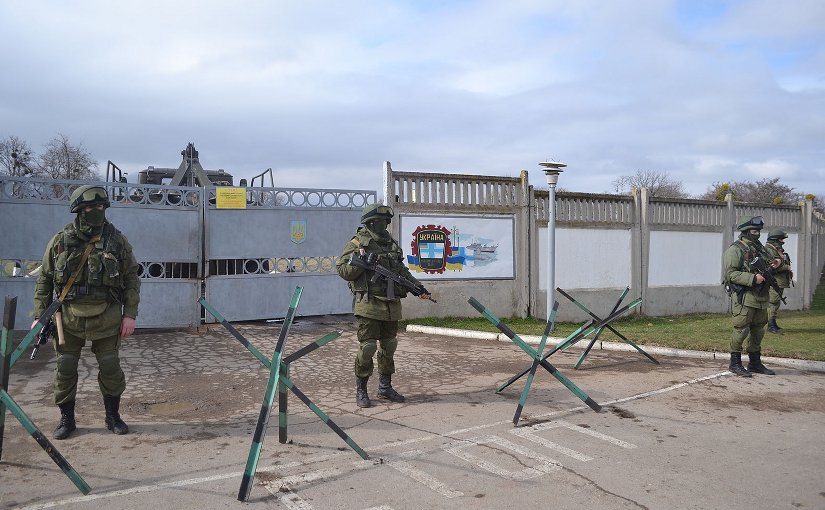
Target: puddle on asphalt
<point>169,408</point>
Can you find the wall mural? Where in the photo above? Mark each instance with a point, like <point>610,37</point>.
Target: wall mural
<point>458,247</point>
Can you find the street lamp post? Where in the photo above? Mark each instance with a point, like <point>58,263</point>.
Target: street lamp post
<point>551,169</point>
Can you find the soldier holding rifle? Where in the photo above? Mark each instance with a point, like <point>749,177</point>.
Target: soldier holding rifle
<point>376,299</point>
<point>783,274</point>
<point>749,297</point>
<point>89,265</point>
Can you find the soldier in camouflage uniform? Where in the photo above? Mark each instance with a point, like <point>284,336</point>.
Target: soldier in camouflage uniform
<point>782,273</point>
<point>749,297</point>
<point>100,307</point>
<point>377,315</point>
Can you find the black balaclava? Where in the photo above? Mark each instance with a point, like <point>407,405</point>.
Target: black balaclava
<point>378,228</point>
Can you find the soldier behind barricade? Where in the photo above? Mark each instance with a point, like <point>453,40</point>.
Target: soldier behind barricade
<point>782,273</point>
<point>749,297</point>
<point>100,306</point>
<point>377,310</point>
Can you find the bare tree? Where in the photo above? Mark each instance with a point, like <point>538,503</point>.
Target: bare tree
<point>16,158</point>
<point>765,191</point>
<point>659,184</point>
<point>64,160</point>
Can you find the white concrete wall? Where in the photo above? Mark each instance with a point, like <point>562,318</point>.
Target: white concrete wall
<point>587,258</point>
<point>685,258</point>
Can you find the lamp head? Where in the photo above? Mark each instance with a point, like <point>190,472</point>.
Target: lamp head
<point>552,169</point>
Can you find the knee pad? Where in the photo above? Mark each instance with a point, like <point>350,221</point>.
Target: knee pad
<point>108,362</point>
<point>67,362</point>
<point>388,346</point>
<point>368,348</point>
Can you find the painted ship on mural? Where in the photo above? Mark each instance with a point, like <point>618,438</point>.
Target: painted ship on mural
<point>483,252</point>
<point>478,252</point>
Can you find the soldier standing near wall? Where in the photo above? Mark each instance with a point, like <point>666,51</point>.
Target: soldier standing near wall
<point>100,306</point>
<point>749,297</point>
<point>782,273</point>
<point>377,313</point>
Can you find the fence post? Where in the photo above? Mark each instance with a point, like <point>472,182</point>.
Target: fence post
<point>805,272</point>
<point>389,185</point>
<point>390,199</point>
<point>523,272</point>
<point>640,241</point>
<point>533,247</point>
<point>727,231</point>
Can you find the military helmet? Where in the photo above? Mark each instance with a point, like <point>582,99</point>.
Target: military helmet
<point>376,211</point>
<point>777,234</point>
<point>88,195</point>
<point>750,222</point>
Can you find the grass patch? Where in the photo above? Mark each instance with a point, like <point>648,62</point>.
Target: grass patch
<point>804,336</point>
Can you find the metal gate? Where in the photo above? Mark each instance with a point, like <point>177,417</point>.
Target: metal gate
<point>245,261</point>
<point>283,238</point>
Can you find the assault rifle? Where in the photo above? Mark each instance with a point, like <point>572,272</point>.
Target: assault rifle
<point>370,263</point>
<point>759,265</point>
<point>43,337</point>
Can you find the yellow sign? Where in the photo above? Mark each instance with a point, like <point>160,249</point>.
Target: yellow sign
<point>230,198</point>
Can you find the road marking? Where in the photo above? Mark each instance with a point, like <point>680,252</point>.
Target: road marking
<point>422,477</point>
<point>321,458</point>
<point>545,465</point>
<point>530,433</point>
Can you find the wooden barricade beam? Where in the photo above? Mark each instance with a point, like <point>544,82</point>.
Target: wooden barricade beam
<point>280,383</point>
<point>606,325</point>
<point>534,355</point>
<point>6,401</point>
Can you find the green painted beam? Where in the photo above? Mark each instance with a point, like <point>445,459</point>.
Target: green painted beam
<point>44,443</point>
<point>535,356</point>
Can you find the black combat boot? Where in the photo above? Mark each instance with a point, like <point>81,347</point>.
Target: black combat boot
<point>67,424</point>
<point>113,421</point>
<point>362,398</point>
<point>774,328</point>
<point>736,365</point>
<point>386,391</point>
<point>755,364</point>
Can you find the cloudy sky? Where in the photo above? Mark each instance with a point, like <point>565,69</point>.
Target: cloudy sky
<point>324,92</point>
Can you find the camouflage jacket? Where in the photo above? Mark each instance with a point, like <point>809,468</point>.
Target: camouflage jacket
<point>370,298</point>
<point>735,263</point>
<point>782,273</point>
<point>106,289</point>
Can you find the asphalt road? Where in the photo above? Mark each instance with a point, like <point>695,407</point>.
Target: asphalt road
<point>682,434</point>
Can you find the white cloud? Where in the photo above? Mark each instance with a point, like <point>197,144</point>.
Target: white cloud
<point>770,169</point>
<point>325,92</point>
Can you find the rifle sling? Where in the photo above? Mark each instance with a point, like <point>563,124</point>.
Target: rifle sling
<point>74,276</point>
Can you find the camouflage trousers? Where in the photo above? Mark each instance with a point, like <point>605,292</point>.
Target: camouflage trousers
<point>376,336</point>
<point>110,377</point>
<point>774,303</point>
<point>748,323</point>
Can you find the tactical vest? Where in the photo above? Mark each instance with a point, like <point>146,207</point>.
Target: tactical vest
<point>389,255</point>
<point>749,252</point>
<point>100,280</point>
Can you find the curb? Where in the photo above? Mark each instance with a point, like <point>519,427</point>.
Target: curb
<point>801,364</point>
